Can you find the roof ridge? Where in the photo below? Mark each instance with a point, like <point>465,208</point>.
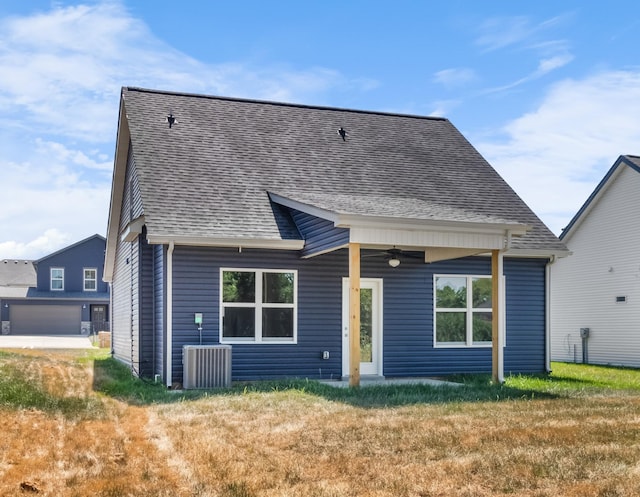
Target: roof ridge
<point>280,104</point>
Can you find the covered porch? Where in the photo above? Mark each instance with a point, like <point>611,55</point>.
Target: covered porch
<point>395,226</point>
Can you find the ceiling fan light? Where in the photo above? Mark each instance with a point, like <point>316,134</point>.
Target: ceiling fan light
<point>394,262</point>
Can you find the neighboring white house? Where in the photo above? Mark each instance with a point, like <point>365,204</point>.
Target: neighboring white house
<point>598,286</point>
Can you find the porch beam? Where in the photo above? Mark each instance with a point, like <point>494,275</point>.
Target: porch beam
<point>354,314</point>
<point>497,292</point>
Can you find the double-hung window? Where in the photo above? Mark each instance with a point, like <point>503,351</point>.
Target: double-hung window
<point>463,310</point>
<point>57,279</point>
<point>90,279</point>
<point>258,305</point>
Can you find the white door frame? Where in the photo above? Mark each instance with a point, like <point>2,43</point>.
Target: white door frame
<point>376,366</point>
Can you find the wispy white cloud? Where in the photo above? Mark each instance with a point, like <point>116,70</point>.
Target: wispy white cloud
<point>569,141</point>
<point>520,34</point>
<point>62,71</point>
<point>455,76</point>
<point>544,67</point>
<point>547,65</point>
<point>442,108</point>
<point>500,32</point>
<point>64,155</point>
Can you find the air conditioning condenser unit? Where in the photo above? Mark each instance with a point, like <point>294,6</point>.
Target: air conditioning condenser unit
<point>206,366</point>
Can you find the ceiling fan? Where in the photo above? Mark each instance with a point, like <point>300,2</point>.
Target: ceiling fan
<point>394,254</point>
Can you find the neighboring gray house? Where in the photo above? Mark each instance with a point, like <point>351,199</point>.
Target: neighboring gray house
<point>318,242</point>
<point>59,294</point>
<point>598,287</point>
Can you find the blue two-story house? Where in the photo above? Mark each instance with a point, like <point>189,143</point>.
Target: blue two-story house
<point>60,294</point>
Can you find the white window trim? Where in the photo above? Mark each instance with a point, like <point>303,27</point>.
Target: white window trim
<point>258,305</point>
<point>85,279</point>
<point>469,314</point>
<point>51,270</point>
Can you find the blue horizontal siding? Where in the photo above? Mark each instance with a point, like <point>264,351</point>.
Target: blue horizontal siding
<point>74,259</point>
<point>196,289</point>
<point>526,304</point>
<point>408,307</point>
<point>319,234</point>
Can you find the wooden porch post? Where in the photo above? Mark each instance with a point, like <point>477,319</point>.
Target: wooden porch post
<point>496,321</point>
<point>354,314</point>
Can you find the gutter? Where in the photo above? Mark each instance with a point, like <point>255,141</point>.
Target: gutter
<point>547,313</point>
<point>169,352</point>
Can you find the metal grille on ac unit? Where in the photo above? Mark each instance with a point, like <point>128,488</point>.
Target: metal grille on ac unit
<point>206,366</point>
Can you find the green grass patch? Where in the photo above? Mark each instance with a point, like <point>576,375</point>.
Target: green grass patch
<point>567,380</point>
<point>19,391</point>
<point>115,379</point>
<point>576,380</point>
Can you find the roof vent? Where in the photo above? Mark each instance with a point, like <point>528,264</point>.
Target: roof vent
<point>171,119</point>
<point>343,133</point>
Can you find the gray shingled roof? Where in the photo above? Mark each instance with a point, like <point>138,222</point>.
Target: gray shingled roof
<point>389,207</point>
<point>209,175</point>
<point>14,272</point>
<point>16,276</point>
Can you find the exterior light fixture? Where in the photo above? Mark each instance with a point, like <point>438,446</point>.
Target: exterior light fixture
<point>394,262</point>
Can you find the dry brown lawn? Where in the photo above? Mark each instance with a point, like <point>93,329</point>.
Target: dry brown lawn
<point>291,443</point>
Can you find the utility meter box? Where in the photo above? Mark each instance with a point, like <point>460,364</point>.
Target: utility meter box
<point>198,318</point>
<point>584,332</point>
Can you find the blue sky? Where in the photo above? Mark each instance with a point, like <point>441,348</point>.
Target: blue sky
<point>548,92</point>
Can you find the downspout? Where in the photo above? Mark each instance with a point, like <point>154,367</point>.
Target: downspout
<point>111,347</point>
<point>547,313</point>
<point>169,351</point>
<point>502,332</point>
<point>498,313</point>
<point>154,364</point>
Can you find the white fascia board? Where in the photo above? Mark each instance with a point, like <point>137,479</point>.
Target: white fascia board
<point>117,191</point>
<point>594,199</point>
<point>429,238</point>
<point>352,221</point>
<point>226,242</point>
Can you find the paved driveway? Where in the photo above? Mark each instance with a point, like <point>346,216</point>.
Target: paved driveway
<point>43,342</point>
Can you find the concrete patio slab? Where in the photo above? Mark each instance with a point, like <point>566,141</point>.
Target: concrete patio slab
<point>377,381</point>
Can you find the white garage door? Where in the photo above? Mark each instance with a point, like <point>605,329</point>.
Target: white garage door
<point>45,319</point>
